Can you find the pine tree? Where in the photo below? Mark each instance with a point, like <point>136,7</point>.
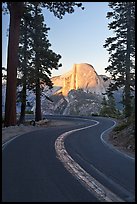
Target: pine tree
<point>121,48</point>
<point>12,61</point>
<point>35,57</point>
<point>24,56</point>
<point>112,106</point>
<point>104,107</point>
<point>16,10</point>
<point>109,107</point>
<point>43,60</point>
<point>59,9</point>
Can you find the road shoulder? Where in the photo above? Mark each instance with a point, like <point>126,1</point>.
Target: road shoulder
<point>108,139</point>
<point>10,132</point>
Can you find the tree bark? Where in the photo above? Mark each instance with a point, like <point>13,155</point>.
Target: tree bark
<point>127,82</point>
<point>38,91</point>
<point>23,94</point>
<point>23,104</point>
<point>38,101</point>
<point>16,11</point>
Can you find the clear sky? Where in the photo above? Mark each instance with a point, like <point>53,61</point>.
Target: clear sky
<point>78,37</point>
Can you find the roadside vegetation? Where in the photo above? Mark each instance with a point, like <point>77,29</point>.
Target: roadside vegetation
<point>121,49</point>
<point>123,134</point>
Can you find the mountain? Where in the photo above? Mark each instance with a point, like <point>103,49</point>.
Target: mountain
<point>82,76</point>
<point>77,92</point>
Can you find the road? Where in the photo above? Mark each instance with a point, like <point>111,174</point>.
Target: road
<point>32,171</point>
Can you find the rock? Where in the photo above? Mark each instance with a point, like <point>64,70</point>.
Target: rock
<point>114,137</point>
<point>32,122</point>
<point>81,76</point>
<point>42,122</point>
<point>129,146</point>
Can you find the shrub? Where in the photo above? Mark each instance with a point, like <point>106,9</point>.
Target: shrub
<point>3,120</point>
<point>95,114</point>
<point>28,112</point>
<point>120,127</point>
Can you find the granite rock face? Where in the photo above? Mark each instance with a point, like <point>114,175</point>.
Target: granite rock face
<point>81,76</point>
<point>82,103</point>
<point>79,91</point>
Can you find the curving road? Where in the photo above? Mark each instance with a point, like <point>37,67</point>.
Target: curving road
<point>33,172</point>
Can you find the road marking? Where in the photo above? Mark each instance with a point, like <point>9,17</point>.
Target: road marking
<point>111,145</point>
<point>7,142</point>
<point>86,179</point>
<point>102,193</point>
<point>14,137</point>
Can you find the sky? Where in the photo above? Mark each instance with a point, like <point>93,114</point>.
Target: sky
<point>78,37</point>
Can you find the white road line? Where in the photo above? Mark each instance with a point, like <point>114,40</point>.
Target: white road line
<point>7,142</point>
<point>101,192</point>
<point>14,137</point>
<point>110,145</point>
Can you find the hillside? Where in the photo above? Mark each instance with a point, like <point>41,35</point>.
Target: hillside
<point>123,135</point>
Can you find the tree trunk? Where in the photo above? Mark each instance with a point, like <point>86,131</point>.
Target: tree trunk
<point>127,82</point>
<point>16,11</point>
<point>38,91</point>
<point>23,95</point>
<point>38,101</point>
<point>23,104</point>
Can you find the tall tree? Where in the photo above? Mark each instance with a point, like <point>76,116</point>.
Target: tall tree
<point>43,59</point>
<point>59,9</point>
<point>24,56</point>
<point>16,11</point>
<point>121,48</point>
<point>108,107</point>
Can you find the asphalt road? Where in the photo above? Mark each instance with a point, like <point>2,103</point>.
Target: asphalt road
<point>31,171</point>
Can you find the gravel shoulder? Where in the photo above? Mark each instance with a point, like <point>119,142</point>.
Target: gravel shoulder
<point>122,143</point>
<point>13,131</point>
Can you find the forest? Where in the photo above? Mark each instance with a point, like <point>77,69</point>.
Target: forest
<point>28,67</point>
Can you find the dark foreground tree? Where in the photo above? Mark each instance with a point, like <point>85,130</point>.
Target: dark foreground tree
<point>16,11</point>
<point>43,59</point>
<point>121,48</point>
<point>108,107</point>
<point>24,56</point>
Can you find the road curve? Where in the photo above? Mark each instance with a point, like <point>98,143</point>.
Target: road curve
<point>32,172</point>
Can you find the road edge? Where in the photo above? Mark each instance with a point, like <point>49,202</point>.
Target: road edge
<point>105,140</point>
